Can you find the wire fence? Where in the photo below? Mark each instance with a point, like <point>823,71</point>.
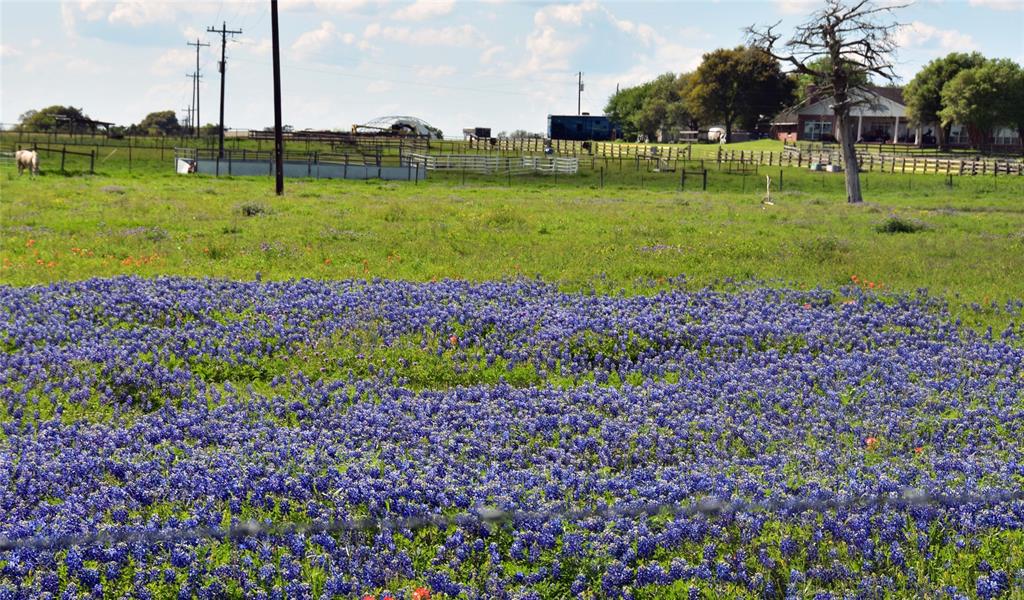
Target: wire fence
<point>707,507</point>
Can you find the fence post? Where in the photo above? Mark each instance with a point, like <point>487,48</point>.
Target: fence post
<point>705,183</point>
<point>92,162</point>
<point>63,154</point>
<point>129,155</point>
<point>602,178</point>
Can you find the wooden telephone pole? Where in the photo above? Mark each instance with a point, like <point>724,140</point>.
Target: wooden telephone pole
<point>579,93</point>
<point>195,85</point>
<point>278,137</point>
<point>224,33</point>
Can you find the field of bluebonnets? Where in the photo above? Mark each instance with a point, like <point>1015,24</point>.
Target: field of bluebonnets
<point>145,407</point>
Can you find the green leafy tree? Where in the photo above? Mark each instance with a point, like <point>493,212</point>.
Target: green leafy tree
<point>646,109</point>
<point>51,118</point>
<point>163,122</point>
<point>738,86</point>
<point>923,94</point>
<point>210,129</point>
<point>624,106</point>
<point>983,98</point>
<point>1015,103</point>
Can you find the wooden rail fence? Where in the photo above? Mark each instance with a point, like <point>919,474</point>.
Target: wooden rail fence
<point>891,163</point>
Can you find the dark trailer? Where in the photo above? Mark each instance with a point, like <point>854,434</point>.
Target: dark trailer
<point>581,127</point>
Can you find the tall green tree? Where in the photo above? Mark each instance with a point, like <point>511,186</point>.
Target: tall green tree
<point>50,118</point>
<point>983,98</point>
<point>923,94</point>
<point>646,109</point>
<point>162,122</point>
<point>624,107</point>
<point>738,86</point>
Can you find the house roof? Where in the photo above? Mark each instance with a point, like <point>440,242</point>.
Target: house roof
<point>892,92</point>
<point>790,116</point>
<point>883,102</point>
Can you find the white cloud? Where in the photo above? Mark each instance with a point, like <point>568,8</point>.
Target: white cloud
<point>460,36</point>
<point>564,13</point>
<point>8,51</point>
<point>334,6</point>
<point>133,13</point>
<point>797,7</point>
<point>260,47</point>
<point>556,37</point>
<point>138,12</point>
<point>424,9</point>
<point>999,4</point>
<point>488,55</point>
<point>548,49</point>
<point>311,42</point>
<point>436,71</point>
<point>645,33</point>
<point>174,60</point>
<point>58,64</point>
<point>917,33</point>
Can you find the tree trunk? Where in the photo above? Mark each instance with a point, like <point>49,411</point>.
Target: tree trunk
<point>944,132</point>
<point>849,156</point>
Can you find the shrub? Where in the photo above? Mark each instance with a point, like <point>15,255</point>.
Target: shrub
<point>252,210</point>
<point>897,224</point>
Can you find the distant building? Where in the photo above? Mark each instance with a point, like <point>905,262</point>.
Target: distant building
<point>883,119</point>
<point>582,127</point>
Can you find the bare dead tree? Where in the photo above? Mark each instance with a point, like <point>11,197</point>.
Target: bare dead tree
<point>856,43</point>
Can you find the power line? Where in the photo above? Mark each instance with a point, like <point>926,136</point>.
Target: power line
<point>195,84</point>
<point>707,507</point>
<point>504,80</point>
<point>395,81</point>
<point>224,33</point>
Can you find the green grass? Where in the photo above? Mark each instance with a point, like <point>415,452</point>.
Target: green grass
<point>967,243</point>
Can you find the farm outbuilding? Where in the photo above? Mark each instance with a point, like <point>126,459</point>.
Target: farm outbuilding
<point>598,128</point>
<point>396,125</point>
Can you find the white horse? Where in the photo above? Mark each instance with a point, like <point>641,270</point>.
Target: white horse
<point>27,159</point>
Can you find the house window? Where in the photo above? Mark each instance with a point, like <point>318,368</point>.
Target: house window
<point>1005,136</point>
<point>817,130</point>
<point>958,135</point>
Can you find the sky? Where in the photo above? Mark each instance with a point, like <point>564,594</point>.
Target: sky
<point>454,63</point>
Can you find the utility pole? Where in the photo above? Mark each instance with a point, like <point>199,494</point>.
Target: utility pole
<point>188,111</point>
<point>224,33</point>
<point>579,93</point>
<point>195,84</point>
<point>195,77</point>
<point>278,137</point>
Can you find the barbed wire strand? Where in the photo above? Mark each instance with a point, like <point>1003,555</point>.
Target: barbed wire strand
<point>709,507</point>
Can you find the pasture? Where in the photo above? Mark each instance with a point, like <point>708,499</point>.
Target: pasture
<point>599,386</point>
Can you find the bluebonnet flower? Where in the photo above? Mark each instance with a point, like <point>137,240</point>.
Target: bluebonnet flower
<point>738,395</point>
